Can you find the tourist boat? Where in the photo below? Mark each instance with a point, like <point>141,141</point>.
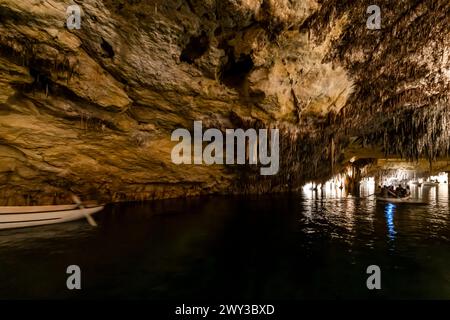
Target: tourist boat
<point>21,217</point>
<point>400,200</point>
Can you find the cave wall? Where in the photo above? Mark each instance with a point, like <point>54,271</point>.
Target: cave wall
<point>91,110</point>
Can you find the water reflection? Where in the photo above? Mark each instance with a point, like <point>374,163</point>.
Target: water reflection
<point>314,245</point>
<point>389,213</point>
<point>347,215</point>
<point>29,237</point>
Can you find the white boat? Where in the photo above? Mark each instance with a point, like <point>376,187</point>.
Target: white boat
<point>407,200</point>
<point>30,209</point>
<point>21,217</point>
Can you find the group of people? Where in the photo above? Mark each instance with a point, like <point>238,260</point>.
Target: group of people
<point>390,191</point>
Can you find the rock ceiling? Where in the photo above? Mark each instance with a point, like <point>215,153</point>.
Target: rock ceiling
<point>91,110</point>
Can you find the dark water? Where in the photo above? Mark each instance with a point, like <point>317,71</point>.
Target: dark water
<point>300,246</point>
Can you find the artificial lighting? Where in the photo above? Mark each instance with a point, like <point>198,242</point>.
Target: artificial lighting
<point>442,177</point>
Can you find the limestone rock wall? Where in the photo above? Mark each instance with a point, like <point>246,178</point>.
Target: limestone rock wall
<point>91,111</point>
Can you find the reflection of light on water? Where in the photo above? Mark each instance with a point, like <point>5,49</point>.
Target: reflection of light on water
<point>442,195</point>
<point>431,194</point>
<point>329,204</point>
<point>389,212</point>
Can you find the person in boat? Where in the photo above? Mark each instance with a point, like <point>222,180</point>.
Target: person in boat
<point>400,191</point>
<point>379,190</point>
<point>384,191</point>
<point>391,192</point>
<point>408,191</point>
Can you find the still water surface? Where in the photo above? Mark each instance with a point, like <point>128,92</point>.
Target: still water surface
<point>310,245</point>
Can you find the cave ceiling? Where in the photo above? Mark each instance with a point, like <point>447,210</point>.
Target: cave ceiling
<point>91,110</point>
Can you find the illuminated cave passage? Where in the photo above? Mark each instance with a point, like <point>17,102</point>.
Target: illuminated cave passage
<point>103,167</point>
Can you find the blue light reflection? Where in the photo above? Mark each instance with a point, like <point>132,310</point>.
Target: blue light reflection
<point>389,211</point>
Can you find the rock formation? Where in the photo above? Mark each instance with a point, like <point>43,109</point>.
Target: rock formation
<point>91,110</point>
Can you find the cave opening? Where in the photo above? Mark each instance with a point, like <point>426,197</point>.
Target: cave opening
<point>234,73</point>
<point>196,47</point>
<point>107,49</point>
<point>41,80</point>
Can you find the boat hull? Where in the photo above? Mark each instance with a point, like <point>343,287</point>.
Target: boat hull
<point>36,209</point>
<point>32,219</point>
<point>401,200</point>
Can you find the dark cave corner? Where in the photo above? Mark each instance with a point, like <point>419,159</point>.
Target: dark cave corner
<point>107,49</point>
<point>196,47</point>
<point>234,73</point>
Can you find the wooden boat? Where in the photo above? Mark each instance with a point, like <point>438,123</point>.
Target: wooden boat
<point>406,200</point>
<point>430,184</point>
<point>21,217</point>
<point>30,209</point>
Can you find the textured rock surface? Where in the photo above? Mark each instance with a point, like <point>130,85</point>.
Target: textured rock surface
<point>91,110</point>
